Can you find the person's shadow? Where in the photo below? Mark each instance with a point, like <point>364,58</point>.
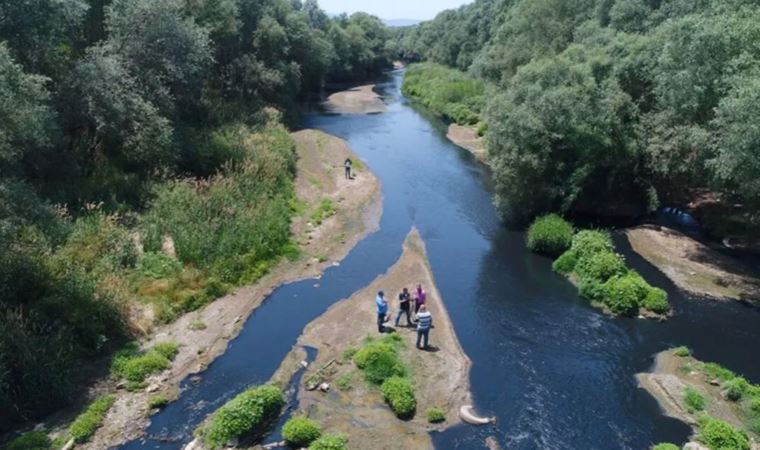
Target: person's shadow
<point>431,349</point>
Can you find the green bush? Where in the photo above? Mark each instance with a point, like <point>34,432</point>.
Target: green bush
<point>33,440</point>
<point>550,235</point>
<point>300,432</point>
<point>167,349</point>
<point>588,242</point>
<point>755,405</point>
<point>682,352</point>
<point>693,400</point>
<point>666,446</point>
<point>447,92</point>
<point>399,394</point>
<point>134,366</point>
<point>592,290</point>
<point>335,442</point>
<point>625,293</point>
<point>717,371</point>
<point>565,264</point>
<point>435,415</point>
<point>717,434</point>
<point>157,401</point>
<point>656,301</point>
<point>600,266</point>
<point>249,413</point>
<point>379,361</point>
<point>159,265</point>
<point>736,388</point>
<point>85,425</point>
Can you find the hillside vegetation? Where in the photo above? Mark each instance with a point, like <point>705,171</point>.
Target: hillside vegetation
<point>609,107</point>
<point>129,122</point>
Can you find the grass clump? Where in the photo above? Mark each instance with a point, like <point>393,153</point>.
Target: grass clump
<point>435,415</point>
<point>249,413</point>
<point>379,359</point>
<point>656,301</point>
<point>344,382</point>
<point>159,265</point>
<point>330,442</point>
<point>399,394</point>
<point>134,366</point>
<point>693,400</point>
<point>324,210</point>
<point>666,446</point>
<point>736,388</point>
<point>33,440</point>
<point>550,235</point>
<point>717,434</point>
<point>682,352</point>
<point>85,425</point>
<point>717,371</point>
<point>157,401</point>
<point>299,432</point>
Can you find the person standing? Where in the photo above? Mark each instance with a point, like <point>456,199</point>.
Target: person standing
<point>424,323</point>
<point>420,296</point>
<point>382,310</point>
<point>404,301</point>
<point>347,164</point>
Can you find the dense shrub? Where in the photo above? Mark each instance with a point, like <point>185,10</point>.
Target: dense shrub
<point>666,446</point>
<point>399,394</point>
<point>335,442</point>
<point>300,432</point>
<point>588,242</point>
<point>550,235</point>
<point>600,266</point>
<point>682,352</point>
<point>565,264</point>
<point>379,361</point>
<point>91,419</point>
<point>755,405</point>
<point>717,371</point>
<point>625,293</point>
<point>134,366</point>
<point>592,290</point>
<point>656,301</point>
<point>717,434</point>
<point>693,400</point>
<point>435,415</point>
<point>449,93</point>
<point>33,440</point>
<point>249,413</point>
<point>736,388</point>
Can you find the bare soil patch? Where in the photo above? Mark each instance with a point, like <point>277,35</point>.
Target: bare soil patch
<point>357,409</point>
<point>693,266</point>
<point>357,100</point>
<point>467,138</point>
<point>357,209</point>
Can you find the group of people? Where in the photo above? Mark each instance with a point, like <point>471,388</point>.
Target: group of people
<point>422,317</point>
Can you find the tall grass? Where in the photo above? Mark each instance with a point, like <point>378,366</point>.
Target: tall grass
<point>447,92</point>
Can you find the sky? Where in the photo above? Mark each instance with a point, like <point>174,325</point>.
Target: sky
<point>392,9</point>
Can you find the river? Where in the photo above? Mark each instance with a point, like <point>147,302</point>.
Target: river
<point>555,372</point>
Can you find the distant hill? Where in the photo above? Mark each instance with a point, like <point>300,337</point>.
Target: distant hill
<point>401,22</point>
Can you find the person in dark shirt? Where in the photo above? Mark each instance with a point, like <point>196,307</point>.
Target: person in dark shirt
<point>347,165</point>
<point>404,302</point>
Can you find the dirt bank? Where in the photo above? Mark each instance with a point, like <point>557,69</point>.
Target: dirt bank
<point>672,375</point>
<point>357,207</point>
<point>358,100</point>
<point>467,138</point>
<point>692,266</point>
<point>353,407</point>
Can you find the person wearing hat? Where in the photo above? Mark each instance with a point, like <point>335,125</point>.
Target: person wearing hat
<point>424,323</point>
<point>382,310</point>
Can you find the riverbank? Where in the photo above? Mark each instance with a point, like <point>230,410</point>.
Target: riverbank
<point>325,235</point>
<point>687,389</point>
<point>467,137</point>
<point>352,406</point>
<point>357,100</point>
<point>693,266</point>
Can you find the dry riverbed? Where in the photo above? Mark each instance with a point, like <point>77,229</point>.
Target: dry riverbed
<point>357,100</point>
<point>203,335</point>
<point>693,266</point>
<point>352,406</point>
<point>467,138</point>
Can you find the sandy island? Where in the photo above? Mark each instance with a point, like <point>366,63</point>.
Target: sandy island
<point>440,377</point>
<point>320,175</point>
<point>693,266</point>
<point>467,138</point>
<point>358,100</point>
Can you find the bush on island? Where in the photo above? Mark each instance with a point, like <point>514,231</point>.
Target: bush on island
<point>565,264</point>
<point>379,360</point>
<point>600,266</point>
<point>666,446</point>
<point>299,432</point>
<point>550,235</point>
<point>588,242</point>
<point>435,415</point>
<point>718,434</point>
<point>248,413</point>
<point>736,388</point>
<point>624,293</point>
<point>682,352</point>
<point>330,442</point>
<point>399,394</point>
<point>656,301</point>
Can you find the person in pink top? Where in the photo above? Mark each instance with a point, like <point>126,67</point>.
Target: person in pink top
<point>419,298</point>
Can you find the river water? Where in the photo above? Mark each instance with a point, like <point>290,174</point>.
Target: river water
<point>555,372</point>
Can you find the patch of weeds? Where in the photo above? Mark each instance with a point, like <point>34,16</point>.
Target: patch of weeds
<point>693,400</point>
<point>315,183</point>
<point>399,394</point>
<point>344,382</point>
<point>157,401</point>
<point>300,431</point>
<point>325,210</point>
<point>686,368</point>
<point>682,352</point>
<point>435,415</point>
<point>33,440</point>
<point>133,366</point>
<point>197,325</point>
<point>85,425</point>
<point>348,354</point>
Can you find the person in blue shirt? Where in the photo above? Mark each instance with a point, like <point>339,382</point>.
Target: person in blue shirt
<point>382,310</point>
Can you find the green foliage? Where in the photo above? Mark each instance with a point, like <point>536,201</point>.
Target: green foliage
<point>157,401</point>
<point>589,242</point>
<point>344,382</point>
<point>158,265</point>
<point>300,431</point>
<point>565,264</point>
<point>718,434</point>
<point>600,266</point>
<point>436,415</point>
<point>249,413</point>
<point>447,92</point>
<point>755,405</point>
<point>682,352</point>
<point>656,301</point>
<point>399,394</point>
<point>348,353</point>
<point>134,366</point>
<point>379,361</point>
<point>33,440</point>
<point>666,446</point>
<point>717,371</point>
<point>592,290</point>
<point>736,388</point>
<point>330,442</point>
<point>550,235</point>
<point>693,400</point>
<point>625,293</point>
<point>91,419</point>
<point>324,210</point>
